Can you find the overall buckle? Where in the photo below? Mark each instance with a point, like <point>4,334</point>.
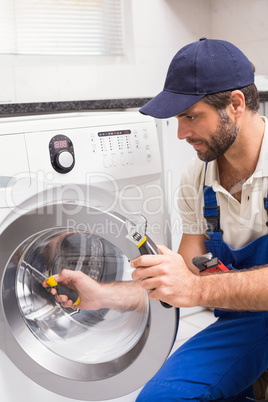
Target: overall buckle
<point>213,221</point>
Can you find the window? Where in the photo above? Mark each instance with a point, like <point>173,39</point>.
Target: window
<point>61,27</point>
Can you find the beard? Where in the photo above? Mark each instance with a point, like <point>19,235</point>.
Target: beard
<point>220,141</point>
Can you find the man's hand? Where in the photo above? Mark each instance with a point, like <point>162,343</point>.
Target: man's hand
<point>89,290</point>
<point>167,278</point>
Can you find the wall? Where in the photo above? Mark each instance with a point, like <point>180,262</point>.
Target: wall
<point>243,22</point>
<point>155,31</point>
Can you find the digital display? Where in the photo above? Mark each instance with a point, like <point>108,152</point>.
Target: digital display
<point>111,133</point>
<point>60,144</point>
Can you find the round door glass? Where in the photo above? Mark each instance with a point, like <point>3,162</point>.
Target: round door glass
<point>84,336</point>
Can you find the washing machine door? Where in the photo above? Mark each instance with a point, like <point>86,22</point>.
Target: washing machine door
<point>87,355</point>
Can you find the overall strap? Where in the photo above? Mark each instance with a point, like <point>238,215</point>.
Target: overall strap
<point>211,213</point>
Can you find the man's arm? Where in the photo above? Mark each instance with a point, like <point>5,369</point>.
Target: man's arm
<point>168,278</point>
<point>190,247</point>
<point>245,290</point>
<point>94,295</point>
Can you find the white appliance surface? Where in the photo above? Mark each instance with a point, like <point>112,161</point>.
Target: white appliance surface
<point>113,163</point>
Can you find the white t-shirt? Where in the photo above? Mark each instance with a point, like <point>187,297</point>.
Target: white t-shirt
<point>241,222</point>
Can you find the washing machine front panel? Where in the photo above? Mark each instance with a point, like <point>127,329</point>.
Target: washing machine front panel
<point>87,355</point>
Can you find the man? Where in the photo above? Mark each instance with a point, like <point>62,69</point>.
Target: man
<point>210,89</point>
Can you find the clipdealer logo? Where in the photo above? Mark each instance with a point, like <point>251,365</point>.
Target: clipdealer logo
<point>40,193</point>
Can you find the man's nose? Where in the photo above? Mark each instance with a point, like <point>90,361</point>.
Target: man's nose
<point>183,131</point>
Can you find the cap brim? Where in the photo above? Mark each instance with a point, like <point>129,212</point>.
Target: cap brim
<point>168,104</point>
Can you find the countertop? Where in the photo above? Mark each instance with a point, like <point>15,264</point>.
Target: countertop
<point>17,109</point>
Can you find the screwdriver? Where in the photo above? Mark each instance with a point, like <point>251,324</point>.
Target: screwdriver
<point>51,281</point>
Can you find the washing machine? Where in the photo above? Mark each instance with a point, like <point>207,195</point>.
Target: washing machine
<point>69,186</point>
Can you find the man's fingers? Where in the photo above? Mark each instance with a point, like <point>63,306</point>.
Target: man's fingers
<point>148,283</point>
<point>142,273</point>
<point>147,260</point>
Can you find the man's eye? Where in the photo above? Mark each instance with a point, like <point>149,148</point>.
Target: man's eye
<point>191,117</point>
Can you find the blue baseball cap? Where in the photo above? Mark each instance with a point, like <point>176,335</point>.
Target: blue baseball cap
<point>200,68</point>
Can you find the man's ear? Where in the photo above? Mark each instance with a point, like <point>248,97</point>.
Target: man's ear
<point>238,103</point>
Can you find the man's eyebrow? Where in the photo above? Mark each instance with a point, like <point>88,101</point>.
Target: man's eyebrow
<point>186,113</point>
<point>182,114</point>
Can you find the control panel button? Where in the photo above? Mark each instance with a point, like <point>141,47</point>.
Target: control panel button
<point>114,161</point>
<point>148,156</point>
<point>105,162</point>
<point>64,159</point>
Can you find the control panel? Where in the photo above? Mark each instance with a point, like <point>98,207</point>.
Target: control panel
<point>110,151</point>
<point>61,153</point>
<point>119,147</point>
<point>90,147</point>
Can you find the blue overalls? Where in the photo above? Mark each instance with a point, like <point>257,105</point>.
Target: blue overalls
<point>222,361</point>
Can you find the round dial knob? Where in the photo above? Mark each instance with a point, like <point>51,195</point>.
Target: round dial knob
<point>64,161</point>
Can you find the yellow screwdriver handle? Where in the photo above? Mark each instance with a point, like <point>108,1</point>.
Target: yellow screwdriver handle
<point>64,290</point>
